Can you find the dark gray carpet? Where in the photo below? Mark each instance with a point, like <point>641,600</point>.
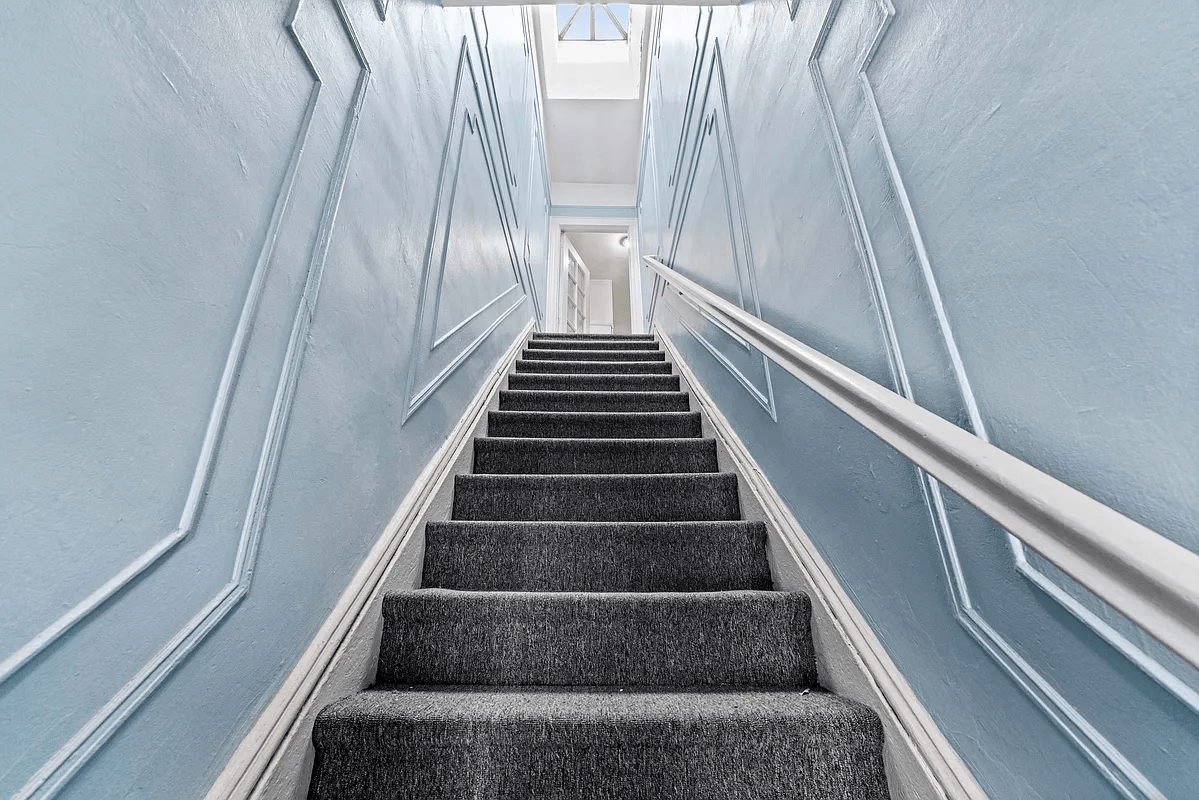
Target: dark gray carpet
<point>738,638</point>
<point>591,344</point>
<point>596,556</point>
<point>593,456</point>
<point>598,337</point>
<point>605,367</point>
<point>521,400</point>
<point>609,743</point>
<point>591,383</point>
<point>597,621</point>
<point>593,355</point>
<point>602,498</point>
<point>595,424</point>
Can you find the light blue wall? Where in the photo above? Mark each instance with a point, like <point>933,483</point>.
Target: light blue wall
<point>152,155</point>
<point>1037,161</point>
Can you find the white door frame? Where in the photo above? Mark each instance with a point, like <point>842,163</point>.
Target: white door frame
<point>560,225</point>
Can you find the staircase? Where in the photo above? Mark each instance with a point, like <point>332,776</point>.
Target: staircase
<point>596,621</point>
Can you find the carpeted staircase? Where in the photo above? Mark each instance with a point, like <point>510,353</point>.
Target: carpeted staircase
<point>596,621</point>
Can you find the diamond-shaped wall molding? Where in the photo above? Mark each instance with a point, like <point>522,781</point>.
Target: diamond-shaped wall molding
<point>465,251</point>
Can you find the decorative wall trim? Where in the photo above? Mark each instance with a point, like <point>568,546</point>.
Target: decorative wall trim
<point>212,433</point>
<point>921,762</point>
<point>764,399</point>
<point>716,124</point>
<point>703,28</point>
<point>483,38</point>
<point>86,742</point>
<point>465,122</point>
<point>272,752</point>
<point>538,176</point>
<point>1109,761</point>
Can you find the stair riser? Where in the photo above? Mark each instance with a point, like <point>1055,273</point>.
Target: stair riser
<point>594,425</point>
<point>596,457</point>
<point>591,383</point>
<point>632,498</point>
<point>633,337</point>
<point>593,355</point>
<point>596,557</point>
<point>597,639</point>
<point>583,367</point>
<point>625,402</point>
<point>589,344</point>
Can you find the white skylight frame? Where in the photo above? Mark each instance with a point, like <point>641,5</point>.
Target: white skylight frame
<point>573,21</point>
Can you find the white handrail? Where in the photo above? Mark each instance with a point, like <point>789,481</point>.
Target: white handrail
<point>1139,572</point>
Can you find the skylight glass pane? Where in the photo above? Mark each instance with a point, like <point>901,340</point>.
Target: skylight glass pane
<point>593,22</point>
<point>564,12</point>
<point>605,31</point>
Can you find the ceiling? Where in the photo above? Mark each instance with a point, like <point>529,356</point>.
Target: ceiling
<point>603,254</point>
<point>593,97</point>
<point>593,141</point>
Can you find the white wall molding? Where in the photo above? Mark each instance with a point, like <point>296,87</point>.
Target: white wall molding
<point>1109,761</point>
<point>467,110</point>
<point>921,763</point>
<point>274,758</point>
<point>56,772</point>
<point>715,133</point>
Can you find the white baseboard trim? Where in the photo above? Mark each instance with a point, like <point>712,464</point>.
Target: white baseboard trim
<point>274,759</point>
<point>851,660</point>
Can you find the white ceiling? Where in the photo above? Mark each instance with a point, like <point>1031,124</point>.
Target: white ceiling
<point>593,141</point>
<point>592,94</point>
<point>602,253</point>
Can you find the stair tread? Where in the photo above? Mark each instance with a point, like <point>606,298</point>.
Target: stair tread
<point>596,556</point>
<point>581,704</point>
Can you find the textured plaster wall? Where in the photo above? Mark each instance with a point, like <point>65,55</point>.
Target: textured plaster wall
<point>1038,162</point>
<point>153,156</point>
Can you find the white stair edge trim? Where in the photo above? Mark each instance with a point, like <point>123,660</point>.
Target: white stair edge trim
<point>274,758</point>
<point>921,763</point>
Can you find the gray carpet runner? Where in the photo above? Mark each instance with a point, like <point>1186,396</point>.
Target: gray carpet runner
<point>596,621</point>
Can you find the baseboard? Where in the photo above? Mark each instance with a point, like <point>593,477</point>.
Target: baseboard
<point>274,759</point>
<point>851,660</point>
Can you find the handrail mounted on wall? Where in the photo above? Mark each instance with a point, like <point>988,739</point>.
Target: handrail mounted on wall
<point>1142,574</point>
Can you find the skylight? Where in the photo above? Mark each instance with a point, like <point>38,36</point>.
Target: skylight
<point>593,22</point>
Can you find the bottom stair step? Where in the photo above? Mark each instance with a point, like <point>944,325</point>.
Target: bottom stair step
<point>598,743</point>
